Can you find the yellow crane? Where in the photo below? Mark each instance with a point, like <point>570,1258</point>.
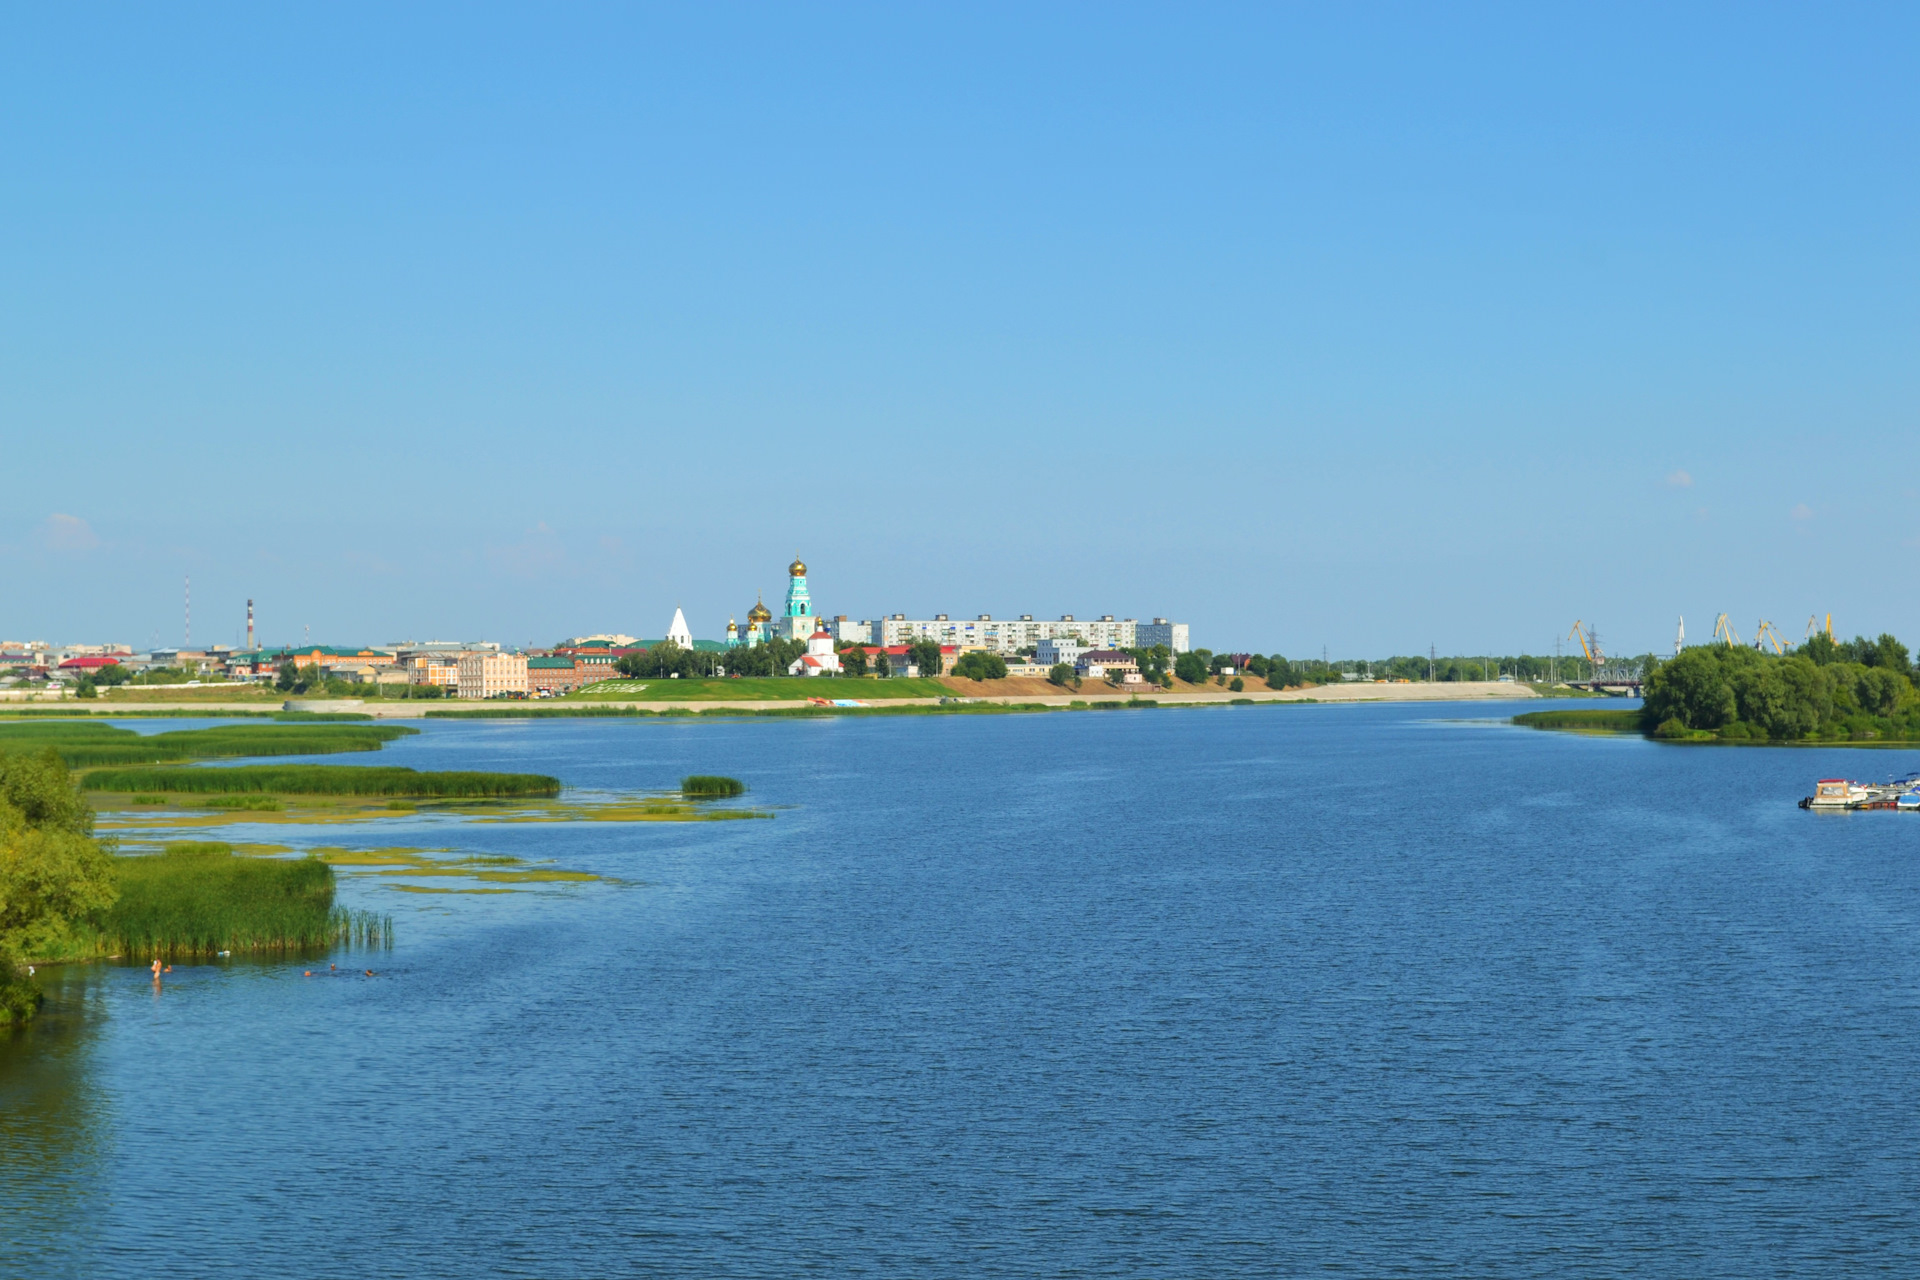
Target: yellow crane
<point>1579,633</point>
<point>1590,646</point>
<point>1770,634</point>
<point>1723,630</point>
<point>1813,625</point>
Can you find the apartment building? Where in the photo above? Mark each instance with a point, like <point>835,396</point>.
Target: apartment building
<point>1160,631</point>
<point>1006,635</point>
<point>490,675</point>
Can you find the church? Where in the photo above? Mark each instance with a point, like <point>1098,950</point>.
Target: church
<point>799,623</point>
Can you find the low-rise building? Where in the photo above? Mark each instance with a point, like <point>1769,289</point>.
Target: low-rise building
<point>820,659</point>
<point>899,661</point>
<point>492,675</point>
<point>1050,653</point>
<point>1105,664</point>
<point>553,674</point>
<point>441,669</point>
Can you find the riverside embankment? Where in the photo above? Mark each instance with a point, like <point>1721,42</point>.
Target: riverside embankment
<point>1052,698</point>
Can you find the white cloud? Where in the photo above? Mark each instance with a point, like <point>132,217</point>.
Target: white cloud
<point>1679,480</point>
<point>65,533</point>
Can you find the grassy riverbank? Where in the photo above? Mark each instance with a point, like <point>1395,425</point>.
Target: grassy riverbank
<point>322,780</point>
<point>84,745</point>
<point>758,689</point>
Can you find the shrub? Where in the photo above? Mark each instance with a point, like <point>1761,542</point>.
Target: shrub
<point>979,665</point>
<point>711,786</point>
<point>1238,685</point>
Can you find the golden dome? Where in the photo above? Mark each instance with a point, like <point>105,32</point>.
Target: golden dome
<point>798,568</point>
<point>759,612</point>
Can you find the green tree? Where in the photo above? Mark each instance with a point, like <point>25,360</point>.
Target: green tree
<point>53,874</point>
<point>883,664</point>
<point>980,665</point>
<point>1059,673</point>
<point>1191,667</point>
<point>662,661</point>
<point>1153,662</point>
<point>1820,649</point>
<point>286,675</point>
<point>925,654</point>
<point>1693,688</point>
<point>853,660</point>
<point>1238,685</point>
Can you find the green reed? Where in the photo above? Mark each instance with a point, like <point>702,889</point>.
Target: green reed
<point>324,780</point>
<point>202,898</point>
<point>83,744</point>
<point>709,786</point>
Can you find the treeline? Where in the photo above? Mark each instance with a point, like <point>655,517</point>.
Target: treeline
<point>772,657</point>
<point>1859,690</point>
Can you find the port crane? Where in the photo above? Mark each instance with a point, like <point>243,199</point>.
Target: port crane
<point>1813,625</point>
<point>1601,677</point>
<point>1723,631</point>
<point>1770,634</point>
<point>1589,645</point>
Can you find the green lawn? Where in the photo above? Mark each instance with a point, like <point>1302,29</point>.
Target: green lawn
<point>756,688</point>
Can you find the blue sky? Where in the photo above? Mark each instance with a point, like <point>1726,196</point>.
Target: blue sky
<point>1367,327</point>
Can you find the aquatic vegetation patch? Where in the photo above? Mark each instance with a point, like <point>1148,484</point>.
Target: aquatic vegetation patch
<point>200,898</point>
<point>651,809</point>
<point>439,888</point>
<point>325,780</point>
<point>709,785</point>
<point>417,864</point>
<point>1597,720</point>
<point>253,804</point>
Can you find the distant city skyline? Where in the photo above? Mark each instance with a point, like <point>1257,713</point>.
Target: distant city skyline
<point>1341,328</point>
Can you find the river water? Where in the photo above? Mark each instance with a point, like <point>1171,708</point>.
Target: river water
<point>1248,991</point>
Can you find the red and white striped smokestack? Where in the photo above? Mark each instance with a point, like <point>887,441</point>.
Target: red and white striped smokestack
<point>249,626</point>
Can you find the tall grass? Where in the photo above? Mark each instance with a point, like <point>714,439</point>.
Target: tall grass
<point>323,780</point>
<point>198,899</point>
<point>708,786</point>
<point>83,745</point>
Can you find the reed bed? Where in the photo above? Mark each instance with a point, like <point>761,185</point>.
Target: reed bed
<point>200,899</point>
<point>324,780</point>
<point>1604,720</point>
<point>85,745</point>
<point>711,786</point>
